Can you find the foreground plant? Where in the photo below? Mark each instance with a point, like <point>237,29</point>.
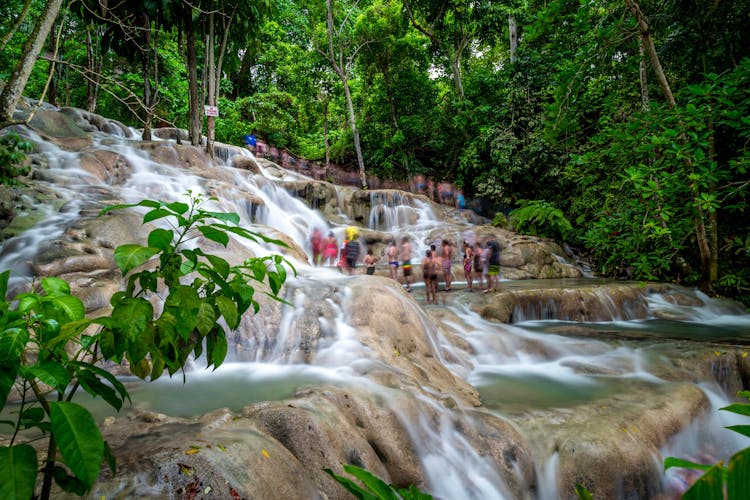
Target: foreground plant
<point>374,487</point>
<point>719,481</point>
<point>49,349</point>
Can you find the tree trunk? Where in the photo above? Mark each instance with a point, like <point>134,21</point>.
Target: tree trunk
<point>19,20</point>
<point>147,93</point>
<point>210,120</point>
<point>651,49</point>
<point>513,35</point>
<point>355,132</point>
<point>325,133</point>
<point>340,69</point>
<point>17,82</point>
<point>94,66</point>
<point>644,77</point>
<point>195,119</point>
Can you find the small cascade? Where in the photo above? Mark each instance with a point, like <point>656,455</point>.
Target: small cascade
<point>572,351</point>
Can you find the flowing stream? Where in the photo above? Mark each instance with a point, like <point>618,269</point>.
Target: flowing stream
<point>539,363</point>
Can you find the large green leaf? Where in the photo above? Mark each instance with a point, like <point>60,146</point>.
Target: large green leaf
<point>224,216</point>
<point>8,374</point>
<point>229,310</point>
<point>687,464</point>
<point>708,487</point>
<point>178,207</point>
<point>214,234</point>
<point>206,318</point>
<point>55,286</point>
<point>738,476</point>
<point>70,306</point>
<point>18,468</point>
<point>352,487</point>
<point>741,429</point>
<point>381,489</point>
<point>12,343</point>
<point>160,238</point>
<point>157,213</point>
<point>739,408</point>
<point>184,303</point>
<point>128,257</point>
<point>91,384</point>
<point>79,440</point>
<point>118,386</point>
<point>4,276</point>
<point>51,373</point>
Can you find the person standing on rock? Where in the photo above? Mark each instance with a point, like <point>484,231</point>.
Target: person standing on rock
<point>468,261</point>
<point>330,250</point>
<point>406,259</point>
<point>393,259</point>
<point>369,262</point>
<point>447,273</point>
<point>493,265</point>
<point>429,273</point>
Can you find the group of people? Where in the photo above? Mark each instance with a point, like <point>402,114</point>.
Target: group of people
<point>481,261</point>
<point>440,192</point>
<point>327,252</point>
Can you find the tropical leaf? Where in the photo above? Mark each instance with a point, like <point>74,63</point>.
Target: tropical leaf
<point>738,476</point>
<point>71,306</point>
<point>79,440</point>
<point>707,487</point>
<point>739,408</point>
<point>687,464</point>
<point>55,286</point>
<point>12,343</point>
<point>224,216</point>
<point>381,489</point>
<point>156,214</point>
<point>214,234</point>
<point>128,257</point>
<point>51,373</point>
<point>4,277</point>
<point>741,429</point>
<point>351,486</point>
<point>178,207</point>
<point>228,309</point>
<point>206,318</point>
<point>19,468</point>
<point>160,238</point>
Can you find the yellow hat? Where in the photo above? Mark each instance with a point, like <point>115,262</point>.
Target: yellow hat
<point>351,232</point>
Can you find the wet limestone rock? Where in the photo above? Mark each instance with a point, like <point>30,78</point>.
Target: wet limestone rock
<point>570,303</point>
<point>610,446</point>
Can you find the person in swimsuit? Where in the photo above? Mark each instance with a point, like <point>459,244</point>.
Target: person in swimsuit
<point>468,261</point>
<point>369,262</point>
<point>429,274</point>
<point>393,260</point>
<point>330,250</point>
<point>447,250</point>
<point>316,243</point>
<point>406,266</point>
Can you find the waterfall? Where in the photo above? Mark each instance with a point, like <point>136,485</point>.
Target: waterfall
<point>564,357</point>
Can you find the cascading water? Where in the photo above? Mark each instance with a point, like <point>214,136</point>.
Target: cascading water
<point>543,367</point>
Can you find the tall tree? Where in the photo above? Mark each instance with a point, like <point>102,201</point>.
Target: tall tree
<point>15,85</point>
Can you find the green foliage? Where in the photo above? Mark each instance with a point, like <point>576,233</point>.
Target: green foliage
<point>719,481</point>
<point>48,348</point>
<point>374,487</point>
<point>540,218</point>
<point>13,151</point>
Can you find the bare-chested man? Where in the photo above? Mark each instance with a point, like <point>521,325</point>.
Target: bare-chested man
<point>447,251</point>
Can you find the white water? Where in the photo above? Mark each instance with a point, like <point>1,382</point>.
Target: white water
<point>516,366</point>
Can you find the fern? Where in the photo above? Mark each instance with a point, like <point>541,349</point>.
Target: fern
<point>540,218</point>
